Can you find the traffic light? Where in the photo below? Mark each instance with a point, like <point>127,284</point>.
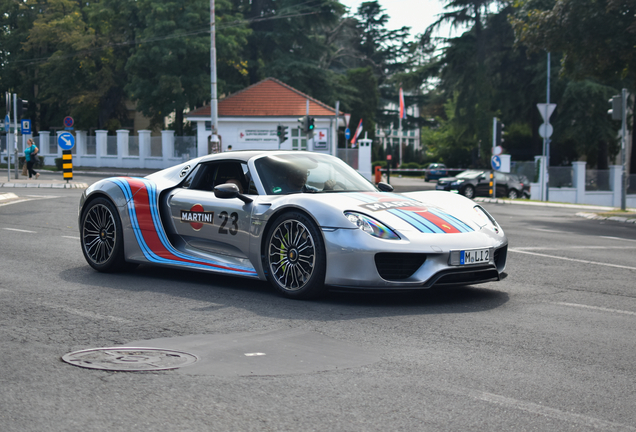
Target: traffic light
<point>281,132</point>
<point>499,133</point>
<point>303,123</point>
<point>310,127</point>
<point>22,107</point>
<point>617,108</point>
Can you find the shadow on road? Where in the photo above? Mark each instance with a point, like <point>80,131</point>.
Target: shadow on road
<point>259,297</point>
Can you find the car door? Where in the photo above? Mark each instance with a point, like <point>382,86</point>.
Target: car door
<point>502,184</point>
<point>207,223</point>
<point>482,184</point>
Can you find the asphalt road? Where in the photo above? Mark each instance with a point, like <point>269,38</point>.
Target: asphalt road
<point>550,348</point>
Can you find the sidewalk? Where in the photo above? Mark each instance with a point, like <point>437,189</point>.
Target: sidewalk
<point>42,182</point>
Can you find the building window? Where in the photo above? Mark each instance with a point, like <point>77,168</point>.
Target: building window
<point>299,140</point>
<point>412,132</point>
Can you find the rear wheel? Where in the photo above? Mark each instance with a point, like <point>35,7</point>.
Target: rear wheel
<point>294,257</point>
<point>469,192</point>
<point>102,237</point>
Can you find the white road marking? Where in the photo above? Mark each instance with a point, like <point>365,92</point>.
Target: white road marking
<point>71,237</point>
<point>5,290</point>
<point>572,259</point>
<point>43,196</point>
<point>86,314</point>
<point>598,308</point>
<point>617,238</point>
<point>554,413</point>
<point>15,202</point>
<point>546,230</point>
<point>20,230</point>
<point>254,354</point>
<point>572,247</point>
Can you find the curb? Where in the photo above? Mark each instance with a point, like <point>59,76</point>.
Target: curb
<point>587,215</point>
<point>45,185</point>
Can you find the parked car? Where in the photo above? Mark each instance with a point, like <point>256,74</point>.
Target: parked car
<point>435,171</point>
<point>472,183</point>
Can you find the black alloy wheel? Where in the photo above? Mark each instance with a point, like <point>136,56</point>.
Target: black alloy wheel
<point>294,257</point>
<point>102,237</point>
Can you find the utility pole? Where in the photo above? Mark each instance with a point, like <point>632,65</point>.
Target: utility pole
<point>214,115</point>
<point>15,133</point>
<point>623,154</point>
<point>547,141</point>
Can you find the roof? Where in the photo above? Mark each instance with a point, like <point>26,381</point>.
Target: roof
<point>267,98</point>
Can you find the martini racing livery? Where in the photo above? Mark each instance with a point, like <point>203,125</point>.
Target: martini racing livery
<point>303,221</point>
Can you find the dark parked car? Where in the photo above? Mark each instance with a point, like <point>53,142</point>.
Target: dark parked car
<point>472,183</point>
<point>435,171</point>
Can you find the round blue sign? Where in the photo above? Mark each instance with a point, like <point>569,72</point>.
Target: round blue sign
<point>495,161</point>
<point>68,121</point>
<point>347,133</point>
<point>66,141</point>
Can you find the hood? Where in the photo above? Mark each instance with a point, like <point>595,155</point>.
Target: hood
<point>423,212</point>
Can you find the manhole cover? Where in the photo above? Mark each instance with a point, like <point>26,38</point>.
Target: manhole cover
<point>129,359</point>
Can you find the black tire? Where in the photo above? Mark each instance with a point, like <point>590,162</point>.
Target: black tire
<point>469,192</point>
<point>294,257</point>
<point>513,194</point>
<point>102,237</point>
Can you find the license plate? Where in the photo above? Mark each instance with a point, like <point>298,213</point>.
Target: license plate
<point>439,187</point>
<point>474,256</point>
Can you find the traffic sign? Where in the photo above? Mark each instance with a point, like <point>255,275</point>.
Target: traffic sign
<point>347,133</point>
<point>7,123</point>
<point>497,150</point>
<point>66,141</point>
<point>546,110</point>
<point>495,162</point>
<point>68,121</point>
<point>545,130</point>
<point>26,127</point>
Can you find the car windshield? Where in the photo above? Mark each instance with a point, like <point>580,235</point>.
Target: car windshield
<point>469,174</point>
<point>308,173</point>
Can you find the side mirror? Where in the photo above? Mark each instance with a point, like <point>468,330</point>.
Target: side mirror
<point>230,190</point>
<point>385,187</point>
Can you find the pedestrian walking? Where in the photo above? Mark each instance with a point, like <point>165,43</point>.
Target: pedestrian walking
<point>31,156</point>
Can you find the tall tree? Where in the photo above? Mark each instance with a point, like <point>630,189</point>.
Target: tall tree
<point>169,70</point>
<point>596,38</point>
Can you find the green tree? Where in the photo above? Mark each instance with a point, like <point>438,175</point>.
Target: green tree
<point>169,70</point>
<point>595,37</point>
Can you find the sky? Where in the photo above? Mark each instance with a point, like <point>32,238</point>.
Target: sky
<point>417,14</point>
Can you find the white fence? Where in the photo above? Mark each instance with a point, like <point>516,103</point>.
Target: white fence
<point>121,151</point>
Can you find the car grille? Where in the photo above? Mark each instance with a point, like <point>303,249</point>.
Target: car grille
<point>464,276</point>
<point>397,266</point>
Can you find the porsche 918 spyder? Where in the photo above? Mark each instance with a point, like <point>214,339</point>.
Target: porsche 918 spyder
<point>306,222</point>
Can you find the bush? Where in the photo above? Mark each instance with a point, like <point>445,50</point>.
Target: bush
<point>37,165</point>
<point>381,164</point>
<point>411,165</point>
<point>58,163</point>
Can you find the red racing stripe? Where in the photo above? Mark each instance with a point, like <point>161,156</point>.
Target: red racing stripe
<point>149,230</point>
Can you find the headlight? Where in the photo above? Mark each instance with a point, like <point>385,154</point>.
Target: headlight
<point>371,226</point>
<point>457,182</point>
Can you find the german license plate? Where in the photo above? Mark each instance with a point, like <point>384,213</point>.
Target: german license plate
<point>474,256</point>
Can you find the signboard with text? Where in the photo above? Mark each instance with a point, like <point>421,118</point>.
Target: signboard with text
<point>258,136</point>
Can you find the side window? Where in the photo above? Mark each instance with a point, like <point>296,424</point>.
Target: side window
<point>251,187</point>
<point>203,178</point>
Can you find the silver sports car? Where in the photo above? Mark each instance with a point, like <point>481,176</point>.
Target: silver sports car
<point>303,221</point>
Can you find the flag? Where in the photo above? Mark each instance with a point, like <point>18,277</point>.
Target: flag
<point>402,107</point>
<point>357,134</point>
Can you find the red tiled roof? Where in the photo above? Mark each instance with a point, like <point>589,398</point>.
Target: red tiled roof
<point>267,98</point>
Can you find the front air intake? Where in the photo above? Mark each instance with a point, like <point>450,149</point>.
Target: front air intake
<point>398,266</point>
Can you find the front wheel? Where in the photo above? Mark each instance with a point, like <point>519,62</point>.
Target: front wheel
<point>469,192</point>
<point>294,257</point>
<point>102,237</point>
<point>513,194</point>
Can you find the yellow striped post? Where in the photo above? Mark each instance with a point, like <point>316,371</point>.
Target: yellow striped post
<point>67,165</point>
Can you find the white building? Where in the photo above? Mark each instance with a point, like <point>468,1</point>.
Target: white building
<point>248,120</point>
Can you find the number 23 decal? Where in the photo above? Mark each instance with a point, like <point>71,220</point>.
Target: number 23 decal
<point>233,219</point>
